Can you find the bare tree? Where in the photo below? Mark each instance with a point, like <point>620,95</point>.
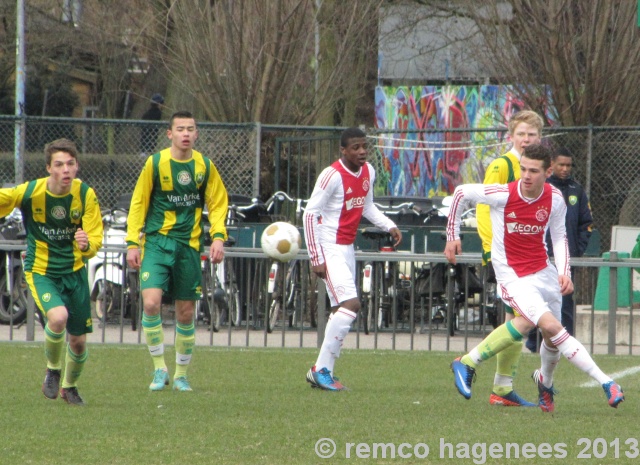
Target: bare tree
<point>280,61</point>
<point>584,55</point>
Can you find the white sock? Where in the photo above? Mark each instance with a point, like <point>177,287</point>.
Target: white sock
<point>337,329</point>
<point>549,359</point>
<point>577,354</point>
<point>502,380</point>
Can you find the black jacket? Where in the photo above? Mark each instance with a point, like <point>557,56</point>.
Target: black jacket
<point>578,220</point>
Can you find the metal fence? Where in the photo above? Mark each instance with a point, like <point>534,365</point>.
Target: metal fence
<point>257,160</point>
<point>415,314</point>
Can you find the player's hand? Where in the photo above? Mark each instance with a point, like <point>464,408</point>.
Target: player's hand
<point>452,249</point>
<point>216,251</point>
<point>133,258</point>
<point>566,285</point>
<point>320,270</point>
<point>397,236</point>
<point>82,239</point>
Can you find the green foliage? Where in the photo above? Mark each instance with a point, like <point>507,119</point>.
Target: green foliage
<point>252,406</point>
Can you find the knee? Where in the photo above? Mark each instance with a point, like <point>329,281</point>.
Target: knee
<point>57,319</point>
<point>151,304</point>
<point>78,345</point>
<point>550,327</point>
<point>185,310</point>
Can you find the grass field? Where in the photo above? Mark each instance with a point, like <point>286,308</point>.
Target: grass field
<point>253,407</point>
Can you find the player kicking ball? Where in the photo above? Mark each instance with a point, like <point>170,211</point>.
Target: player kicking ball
<point>521,212</point>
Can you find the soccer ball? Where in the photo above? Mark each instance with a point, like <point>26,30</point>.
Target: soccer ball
<point>281,241</point>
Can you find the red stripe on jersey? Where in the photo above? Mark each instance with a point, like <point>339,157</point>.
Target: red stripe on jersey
<point>524,230</point>
<point>355,188</point>
<point>325,180</point>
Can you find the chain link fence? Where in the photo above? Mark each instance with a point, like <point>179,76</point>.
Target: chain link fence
<point>113,152</point>
<point>256,160</point>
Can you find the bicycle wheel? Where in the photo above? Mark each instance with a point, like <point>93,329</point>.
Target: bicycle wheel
<point>133,298</point>
<point>383,298</point>
<point>234,309</point>
<point>255,305</point>
<point>294,294</point>
<point>13,305</point>
<point>106,301</point>
<point>275,298</point>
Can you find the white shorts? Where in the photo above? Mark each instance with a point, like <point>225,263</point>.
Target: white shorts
<point>533,295</point>
<point>340,261</point>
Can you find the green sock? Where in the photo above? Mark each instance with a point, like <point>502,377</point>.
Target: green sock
<point>499,339</point>
<point>74,367</point>
<point>185,340</point>
<point>154,335</point>
<point>507,366</point>
<point>53,345</point>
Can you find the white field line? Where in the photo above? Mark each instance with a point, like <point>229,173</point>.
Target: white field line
<point>615,376</point>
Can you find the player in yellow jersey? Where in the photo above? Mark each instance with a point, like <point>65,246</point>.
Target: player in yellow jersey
<point>64,229</point>
<point>174,186</point>
<point>525,128</point>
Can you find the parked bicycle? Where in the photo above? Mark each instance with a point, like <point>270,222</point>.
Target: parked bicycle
<point>385,291</point>
<point>13,287</point>
<point>114,286</point>
<point>288,292</point>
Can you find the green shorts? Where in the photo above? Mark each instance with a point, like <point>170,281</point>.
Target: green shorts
<point>171,266</point>
<point>70,291</point>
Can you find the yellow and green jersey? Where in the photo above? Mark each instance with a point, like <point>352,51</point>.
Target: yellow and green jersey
<point>51,222</point>
<point>502,170</point>
<point>169,198</point>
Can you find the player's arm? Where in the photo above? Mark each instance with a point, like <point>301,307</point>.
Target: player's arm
<point>139,204</point>
<point>217,201</point>
<point>10,198</point>
<point>585,222</point>
<point>558,233</point>
<point>322,191</point>
<point>464,196</point>
<point>497,173</point>
<point>373,213</point>
<point>92,225</point>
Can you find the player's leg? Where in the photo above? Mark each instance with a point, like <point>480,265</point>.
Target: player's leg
<point>340,282</point>
<point>501,338</point>
<point>76,297</point>
<point>154,278</point>
<point>577,354</point>
<point>507,362</point>
<point>49,303</point>
<point>186,283</point>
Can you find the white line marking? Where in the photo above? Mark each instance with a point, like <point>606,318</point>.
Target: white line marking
<point>615,376</point>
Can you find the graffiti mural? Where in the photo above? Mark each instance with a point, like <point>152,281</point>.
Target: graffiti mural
<point>414,160</point>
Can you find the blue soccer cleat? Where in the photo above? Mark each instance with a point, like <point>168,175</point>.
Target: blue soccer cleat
<point>510,400</point>
<point>160,380</point>
<point>181,384</point>
<point>614,393</point>
<point>463,376</point>
<point>323,380</point>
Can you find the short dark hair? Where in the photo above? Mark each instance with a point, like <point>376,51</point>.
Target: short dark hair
<point>179,114</point>
<point>561,152</point>
<point>538,152</point>
<point>351,133</point>
<point>60,145</point>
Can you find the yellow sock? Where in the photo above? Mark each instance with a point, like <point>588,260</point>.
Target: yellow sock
<point>53,345</point>
<point>499,339</point>
<point>74,366</point>
<point>185,340</point>
<point>507,366</point>
<point>154,335</point>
